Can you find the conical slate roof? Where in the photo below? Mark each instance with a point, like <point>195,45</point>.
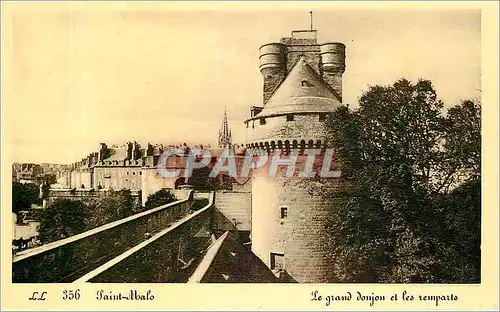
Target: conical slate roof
<point>303,90</point>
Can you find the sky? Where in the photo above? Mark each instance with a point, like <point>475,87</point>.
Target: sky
<point>83,74</point>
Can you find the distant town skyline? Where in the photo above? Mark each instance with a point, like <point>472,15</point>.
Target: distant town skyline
<point>81,76</point>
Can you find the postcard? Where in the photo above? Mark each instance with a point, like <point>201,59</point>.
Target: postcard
<point>250,156</point>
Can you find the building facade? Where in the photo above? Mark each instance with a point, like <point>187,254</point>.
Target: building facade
<point>131,167</point>
<point>26,172</point>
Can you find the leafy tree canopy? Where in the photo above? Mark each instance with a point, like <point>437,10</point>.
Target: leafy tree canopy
<point>162,197</point>
<point>403,156</point>
<point>23,195</point>
<point>62,219</point>
<point>114,205</point>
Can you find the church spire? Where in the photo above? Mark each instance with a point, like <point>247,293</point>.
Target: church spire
<point>225,133</point>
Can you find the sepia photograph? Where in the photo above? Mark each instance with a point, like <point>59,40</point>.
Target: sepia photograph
<point>274,144</point>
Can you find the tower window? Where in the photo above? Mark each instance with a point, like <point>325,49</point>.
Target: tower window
<point>262,121</point>
<point>283,212</point>
<point>289,117</point>
<point>277,261</point>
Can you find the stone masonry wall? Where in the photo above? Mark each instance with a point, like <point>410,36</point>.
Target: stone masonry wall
<point>267,233</point>
<point>272,78</point>
<point>303,127</point>
<point>310,52</point>
<point>300,235</point>
<point>307,256</point>
<point>85,195</point>
<point>233,205</point>
<point>162,260</point>
<point>79,178</point>
<point>153,181</point>
<point>65,260</point>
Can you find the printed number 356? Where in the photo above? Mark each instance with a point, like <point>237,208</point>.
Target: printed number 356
<point>71,294</point>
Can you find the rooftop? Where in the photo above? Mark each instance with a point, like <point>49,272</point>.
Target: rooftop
<point>234,262</point>
<point>301,37</point>
<point>302,91</point>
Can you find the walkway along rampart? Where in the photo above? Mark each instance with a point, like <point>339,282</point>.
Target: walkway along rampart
<point>170,256</point>
<point>68,259</point>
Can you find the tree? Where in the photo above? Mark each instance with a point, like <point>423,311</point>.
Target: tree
<point>399,125</point>
<point>161,197</point>
<point>400,155</point>
<point>199,203</point>
<point>463,142</point>
<point>460,241</point>
<point>200,179</point>
<point>114,205</point>
<point>461,207</point>
<point>62,219</point>
<point>45,191</point>
<point>23,195</point>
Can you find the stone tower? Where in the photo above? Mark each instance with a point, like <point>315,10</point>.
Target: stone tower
<point>225,133</point>
<point>277,59</point>
<point>302,83</point>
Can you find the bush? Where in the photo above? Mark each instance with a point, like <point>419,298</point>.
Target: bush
<point>62,219</point>
<point>414,211</point>
<point>114,205</point>
<point>162,197</point>
<point>23,195</point>
<point>199,203</point>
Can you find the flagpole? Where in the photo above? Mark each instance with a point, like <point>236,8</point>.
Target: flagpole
<point>310,12</point>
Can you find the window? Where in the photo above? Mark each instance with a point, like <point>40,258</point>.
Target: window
<point>289,117</point>
<point>277,261</point>
<point>305,83</point>
<point>322,117</point>
<point>140,172</point>
<point>263,121</point>
<point>283,212</point>
<point>133,173</point>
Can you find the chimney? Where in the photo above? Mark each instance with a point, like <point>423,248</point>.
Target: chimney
<point>129,150</point>
<point>136,153</point>
<point>102,151</point>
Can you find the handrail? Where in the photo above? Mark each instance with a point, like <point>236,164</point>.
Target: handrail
<point>205,263</point>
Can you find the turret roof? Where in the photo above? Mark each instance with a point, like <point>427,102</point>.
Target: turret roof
<point>302,91</point>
